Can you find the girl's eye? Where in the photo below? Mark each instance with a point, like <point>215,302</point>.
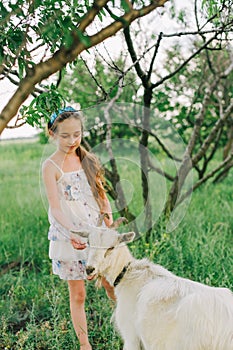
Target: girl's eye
<point>75,135</point>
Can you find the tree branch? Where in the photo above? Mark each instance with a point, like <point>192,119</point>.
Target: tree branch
<point>141,74</point>
<point>212,134</point>
<point>223,164</point>
<point>45,69</point>
<point>163,147</point>
<point>161,172</point>
<point>170,75</point>
<point>154,55</point>
<point>89,17</point>
<point>94,78</point>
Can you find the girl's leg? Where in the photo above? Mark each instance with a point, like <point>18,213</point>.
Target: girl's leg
<point>78,315</point>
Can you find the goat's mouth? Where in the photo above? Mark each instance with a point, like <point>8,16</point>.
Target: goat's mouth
<point>90,273</point>
<point>91,277</point>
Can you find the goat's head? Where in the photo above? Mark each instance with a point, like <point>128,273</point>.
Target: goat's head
<point>103,243</point>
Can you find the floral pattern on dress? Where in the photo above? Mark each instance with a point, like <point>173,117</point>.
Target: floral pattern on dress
<point>57,231</point>
<point>70,270</point>
<point>75,187</point>
<point>72,188</point>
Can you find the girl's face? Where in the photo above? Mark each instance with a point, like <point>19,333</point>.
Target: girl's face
<point>68,135</point>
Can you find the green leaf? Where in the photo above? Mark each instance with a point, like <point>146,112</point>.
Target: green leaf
<point>39,110</point>
<point>84,39</point>
<point>125,5</point>
<point>21,65</point>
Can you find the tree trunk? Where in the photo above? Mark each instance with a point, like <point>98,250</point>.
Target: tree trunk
<point>178,183</point>
<point>144,160</point>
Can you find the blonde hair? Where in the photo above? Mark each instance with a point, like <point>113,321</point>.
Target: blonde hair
<point>90,163</point>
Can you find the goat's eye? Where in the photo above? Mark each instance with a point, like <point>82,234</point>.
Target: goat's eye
<point>108,251</point>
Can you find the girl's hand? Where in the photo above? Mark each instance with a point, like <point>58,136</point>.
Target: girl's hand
<point>77,244</point>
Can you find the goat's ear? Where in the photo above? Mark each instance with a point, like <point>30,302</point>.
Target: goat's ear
<point>126,237</point>
<point>83,233</point>
<point>118,222</point>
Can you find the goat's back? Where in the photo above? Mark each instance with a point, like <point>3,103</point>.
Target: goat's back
<point>179,314</point>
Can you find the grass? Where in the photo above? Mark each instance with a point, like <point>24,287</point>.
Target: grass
<point>34,306</point>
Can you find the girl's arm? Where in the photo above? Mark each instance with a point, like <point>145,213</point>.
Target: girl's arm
<point>50,177</point>
<point>106,208</point>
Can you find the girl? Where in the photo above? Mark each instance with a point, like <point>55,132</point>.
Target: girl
<point>74,185</point>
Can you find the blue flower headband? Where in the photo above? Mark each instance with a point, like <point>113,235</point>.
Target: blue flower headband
<point>55,115</point>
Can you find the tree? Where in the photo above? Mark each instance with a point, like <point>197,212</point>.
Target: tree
<point>221,20</point>
<point>61,30</point>
<point>196,76</point>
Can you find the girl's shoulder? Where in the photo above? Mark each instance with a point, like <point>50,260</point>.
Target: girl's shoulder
<point>50,166</point>
<point>52,160</point>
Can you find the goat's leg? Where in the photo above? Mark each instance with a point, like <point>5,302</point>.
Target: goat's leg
<point>129,336</point>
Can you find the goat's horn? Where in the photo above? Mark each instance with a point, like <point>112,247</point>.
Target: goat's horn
<point>101,219</point>
<point>118,222</point>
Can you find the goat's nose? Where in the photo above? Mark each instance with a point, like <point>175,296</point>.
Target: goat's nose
<point>89,269</point>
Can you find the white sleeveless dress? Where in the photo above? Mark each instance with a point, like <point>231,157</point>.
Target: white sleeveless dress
<point>80,207</point>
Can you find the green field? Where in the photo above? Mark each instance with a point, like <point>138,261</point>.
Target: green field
<point>34,308</point>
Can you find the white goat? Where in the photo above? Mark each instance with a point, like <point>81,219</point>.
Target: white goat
<point>156,310</point>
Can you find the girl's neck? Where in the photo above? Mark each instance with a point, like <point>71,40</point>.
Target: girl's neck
<point>63,154</point>
<point>68,162</point>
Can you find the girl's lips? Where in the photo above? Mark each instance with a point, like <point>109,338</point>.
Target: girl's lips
<point>71,147</point>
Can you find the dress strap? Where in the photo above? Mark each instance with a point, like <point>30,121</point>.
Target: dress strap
<point>55,164</point>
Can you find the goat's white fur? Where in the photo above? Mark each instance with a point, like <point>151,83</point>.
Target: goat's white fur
<point>156,309</point>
